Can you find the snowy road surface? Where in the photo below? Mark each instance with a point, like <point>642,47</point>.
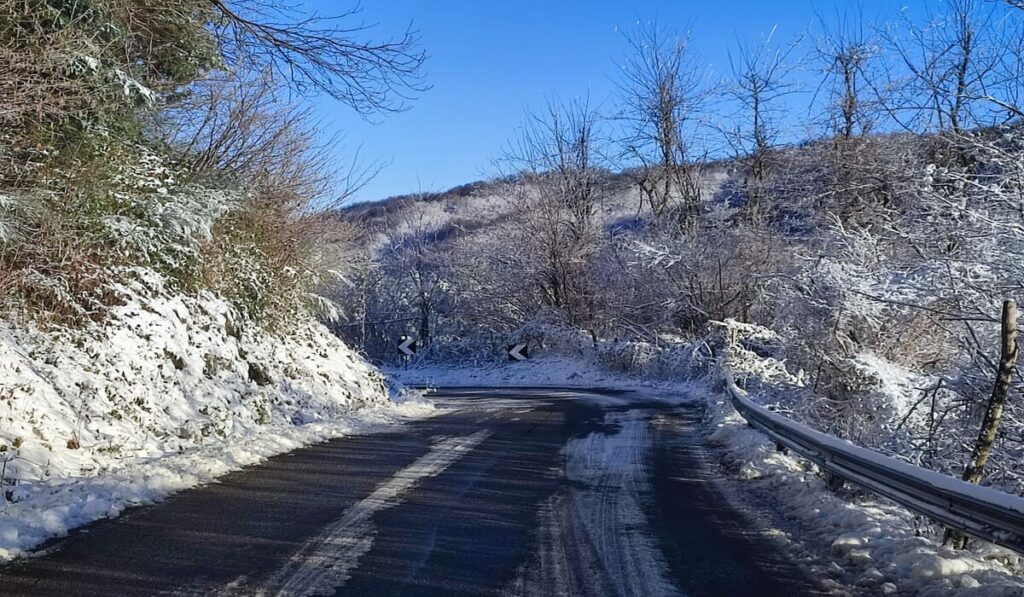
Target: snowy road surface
<point>510,492</point>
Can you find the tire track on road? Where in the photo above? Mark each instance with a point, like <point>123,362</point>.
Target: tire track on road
<point>594,538</point>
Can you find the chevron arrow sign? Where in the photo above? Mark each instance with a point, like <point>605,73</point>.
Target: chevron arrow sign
<point>518,352</point>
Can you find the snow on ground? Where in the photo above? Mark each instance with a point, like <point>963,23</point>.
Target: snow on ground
<point>600,516</point>
<point>169,392</point>
<point>546,371</point>
<point>884,548</point>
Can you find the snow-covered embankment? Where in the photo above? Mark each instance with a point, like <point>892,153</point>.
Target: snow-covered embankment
<point>168,392</point>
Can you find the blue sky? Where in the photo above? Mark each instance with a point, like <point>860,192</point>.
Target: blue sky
<point>489,60</point>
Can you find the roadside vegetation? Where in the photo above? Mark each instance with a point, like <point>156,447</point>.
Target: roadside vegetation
<point>163,186</point>
<point>862,262</point>
<point>176,136</point>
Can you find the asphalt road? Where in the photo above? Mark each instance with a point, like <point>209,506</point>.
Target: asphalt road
<point>511,492</point>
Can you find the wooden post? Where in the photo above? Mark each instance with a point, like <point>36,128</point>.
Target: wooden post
<point>994,410</point>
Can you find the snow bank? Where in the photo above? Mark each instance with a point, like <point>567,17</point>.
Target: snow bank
<point>883,547</point>
<point>170,391</point>
<point>547,371</point>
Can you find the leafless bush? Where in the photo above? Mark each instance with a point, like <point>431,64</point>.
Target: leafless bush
<point>559,190</point>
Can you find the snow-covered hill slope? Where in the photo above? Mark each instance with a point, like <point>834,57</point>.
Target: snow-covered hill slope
<point>169,391</point>
<point>483,209</point>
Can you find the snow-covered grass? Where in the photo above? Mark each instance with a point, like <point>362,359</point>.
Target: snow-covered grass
<point>547,371</point>
<point>168,392</point>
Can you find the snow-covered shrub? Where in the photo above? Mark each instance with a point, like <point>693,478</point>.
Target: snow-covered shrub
<point>126,153</point>
<point>717,273</point>
<point>744,344</point>
<point>670,359</point>
<point>121,206</point>
<point>158,221</point>
<point>550,332</point>
<point>628,355</point>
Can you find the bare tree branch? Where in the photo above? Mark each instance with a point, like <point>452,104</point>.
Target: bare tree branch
<point>323,54</point>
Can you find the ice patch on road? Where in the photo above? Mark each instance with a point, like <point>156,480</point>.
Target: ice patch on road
<point>594,538</point>
<point>326,563</point>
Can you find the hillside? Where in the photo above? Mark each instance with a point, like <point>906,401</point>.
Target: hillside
<point>877,313</point>
<point>733,314</point>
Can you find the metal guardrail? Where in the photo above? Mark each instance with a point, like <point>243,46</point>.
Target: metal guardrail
<point>979,511</point>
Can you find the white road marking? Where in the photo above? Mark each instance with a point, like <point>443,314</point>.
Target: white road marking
<point>326,562</point>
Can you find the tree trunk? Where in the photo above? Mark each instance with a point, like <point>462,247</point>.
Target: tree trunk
<point>424,331</point>
<point>994,410</point>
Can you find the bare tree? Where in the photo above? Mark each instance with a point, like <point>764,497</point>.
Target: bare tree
<point>662,94</point>
<point>994,408</point>
<point>845,51</point>
<point>560,189</point>
<point>1005,91</point>
<point>975,470</point>
<point>404,288</point>
<point>559,145</point>
<point>760,78</point>
<point>859,170</point>
<point>950,63</point>
<point>424,267</point>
